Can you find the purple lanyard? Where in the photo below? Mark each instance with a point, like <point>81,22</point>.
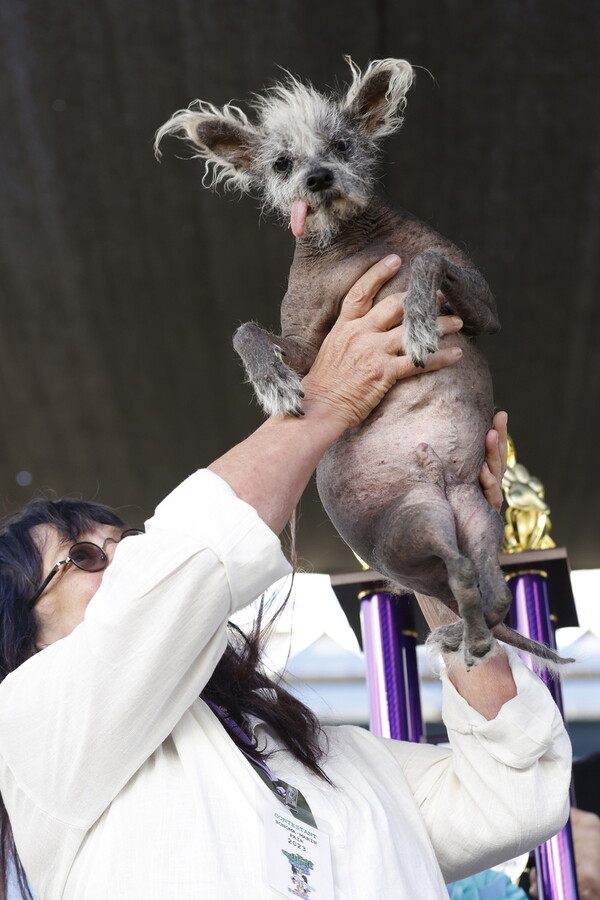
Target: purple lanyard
<point>290,796</point>
<point>222,714</point>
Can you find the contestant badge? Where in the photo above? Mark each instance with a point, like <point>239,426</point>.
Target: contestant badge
<point>298,856</point>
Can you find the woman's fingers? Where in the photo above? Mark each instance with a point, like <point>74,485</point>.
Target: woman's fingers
<point>449,324</point>
<point>363,354</point>
<point>434,361</point>
<point>493,469</point>
<point>496,445</point>
<point>388,313</point>
<point>395,344</point>
<point>359,299</point>
<point>500,424</point>
<point>491,487</point>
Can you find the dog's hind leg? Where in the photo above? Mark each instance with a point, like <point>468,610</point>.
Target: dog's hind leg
<point>416,545</point>
<point>433,523</point>
<point>479,530</point>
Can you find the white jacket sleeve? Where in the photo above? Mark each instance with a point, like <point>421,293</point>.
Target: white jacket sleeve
<point>79,718</point>
<point>503,789</point>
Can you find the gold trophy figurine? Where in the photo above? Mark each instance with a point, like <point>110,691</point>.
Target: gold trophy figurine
<point>528,515</point>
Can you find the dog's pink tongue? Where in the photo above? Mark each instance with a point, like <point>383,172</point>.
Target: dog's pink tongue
<point>298,217</point>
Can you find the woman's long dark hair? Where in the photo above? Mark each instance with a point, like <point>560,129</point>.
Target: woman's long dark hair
<point>239,683</point>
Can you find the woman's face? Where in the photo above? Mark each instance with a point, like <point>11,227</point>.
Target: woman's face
<point>62,605</point>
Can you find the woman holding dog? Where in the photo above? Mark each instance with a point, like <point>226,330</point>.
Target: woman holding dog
<point>145,754</point>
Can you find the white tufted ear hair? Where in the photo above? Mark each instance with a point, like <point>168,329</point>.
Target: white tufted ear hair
<point>225,138</point>
<point>376,97</point>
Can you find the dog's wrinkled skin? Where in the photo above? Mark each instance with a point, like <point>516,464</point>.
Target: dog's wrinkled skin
<point>403,488</point>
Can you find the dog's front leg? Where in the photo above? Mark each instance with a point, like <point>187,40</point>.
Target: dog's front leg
<point>466,290</point>
<point>274,366</point>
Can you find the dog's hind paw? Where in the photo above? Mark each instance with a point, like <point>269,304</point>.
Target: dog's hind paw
<point>478,652</point>
<point>446,638</point>
<point>450,641</point>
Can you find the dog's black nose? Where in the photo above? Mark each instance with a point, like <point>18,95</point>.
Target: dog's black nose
<point>319,180</point>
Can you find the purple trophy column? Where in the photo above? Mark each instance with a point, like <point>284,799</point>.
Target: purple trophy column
<point>389,642</point>
<point>530,614</point>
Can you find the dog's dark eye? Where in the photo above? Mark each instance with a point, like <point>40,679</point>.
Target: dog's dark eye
<point>283,164</point>
<point>343,146</point>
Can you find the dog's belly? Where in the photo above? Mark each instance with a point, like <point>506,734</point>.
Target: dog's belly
<point>377,463</point>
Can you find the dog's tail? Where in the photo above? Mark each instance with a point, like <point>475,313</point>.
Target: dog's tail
<point>548,657</point>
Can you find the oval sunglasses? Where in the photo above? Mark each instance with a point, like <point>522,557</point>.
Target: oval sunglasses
<point>86,556</point>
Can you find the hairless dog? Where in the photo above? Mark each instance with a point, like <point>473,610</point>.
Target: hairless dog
<point>403,488</point>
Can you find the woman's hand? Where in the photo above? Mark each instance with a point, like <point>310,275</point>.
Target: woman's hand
<point>363,354</point>
<point>360,359</point>
<point>494,467</point>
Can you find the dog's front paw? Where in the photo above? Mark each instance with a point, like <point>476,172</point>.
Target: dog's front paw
<point>276,385</point>
<point>422,337</point>
<point>277,388</point>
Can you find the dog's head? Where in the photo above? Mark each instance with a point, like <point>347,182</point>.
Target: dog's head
<point>310,156</point>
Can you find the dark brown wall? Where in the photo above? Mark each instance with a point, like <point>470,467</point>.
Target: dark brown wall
<point>122,279</point>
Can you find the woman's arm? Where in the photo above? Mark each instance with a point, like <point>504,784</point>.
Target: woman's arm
<point>89,709</point>
<point>503,788</point>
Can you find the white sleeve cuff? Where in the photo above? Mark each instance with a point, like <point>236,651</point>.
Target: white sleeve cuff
<point>525,728</point>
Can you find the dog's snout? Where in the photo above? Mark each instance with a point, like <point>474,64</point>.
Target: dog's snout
<point>319,179</point>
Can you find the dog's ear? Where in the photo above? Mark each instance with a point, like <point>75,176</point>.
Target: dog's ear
<point>224,137</point>
<point>376,98</point>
